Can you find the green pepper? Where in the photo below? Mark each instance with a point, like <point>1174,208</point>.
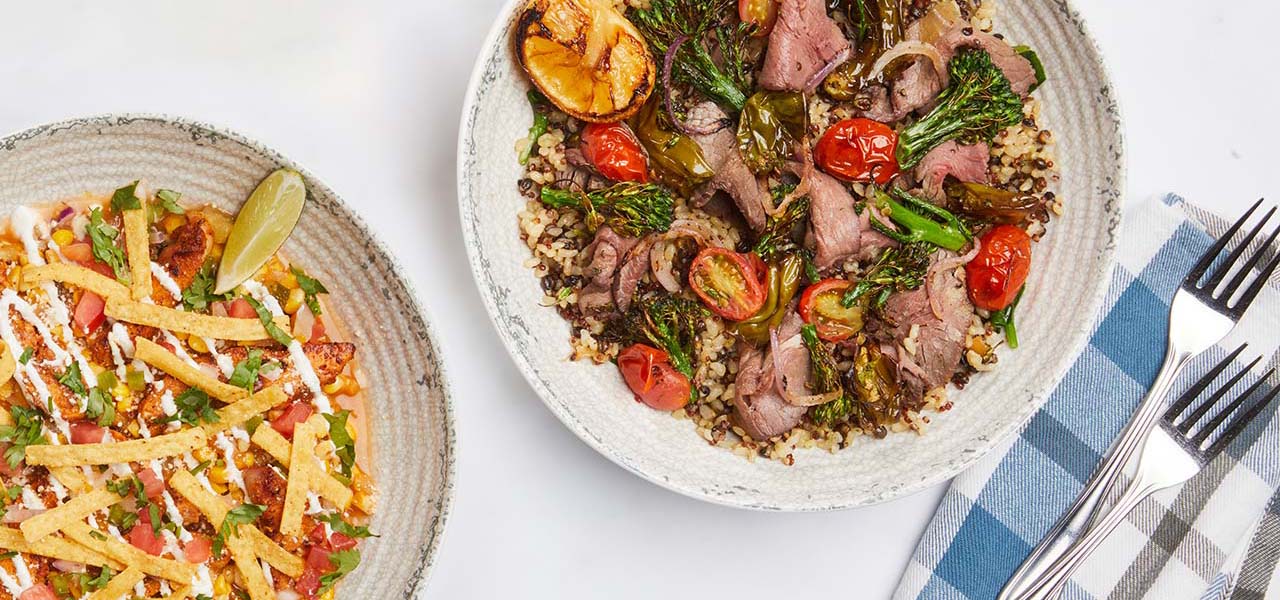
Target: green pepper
<point>770,126</point>
<point>919,221</point>
<point>675,156</point>
<point>783,281</point>
<point>539,127</point>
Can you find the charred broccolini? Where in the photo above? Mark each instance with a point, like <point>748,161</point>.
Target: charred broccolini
<point>632,209</point>
<point>977,105</point>
<point>690,24</point>
<point>670,323</point>
<point>896,270</point>
<point>826,378</point>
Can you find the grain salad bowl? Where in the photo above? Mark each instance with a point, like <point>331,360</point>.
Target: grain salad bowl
<point>410,420</point>
<point>1063,294</point>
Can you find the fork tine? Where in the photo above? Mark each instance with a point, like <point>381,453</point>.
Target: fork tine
<point>1240,423</point>
<point>1264,276</point>
<point>1208,404</point>
<point>1208,428</point>
<point>1175,410</point>
<point>1207,258</point>
<point>1240,249</point>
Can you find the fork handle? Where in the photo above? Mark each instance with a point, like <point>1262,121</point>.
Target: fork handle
<point>1076,521</point>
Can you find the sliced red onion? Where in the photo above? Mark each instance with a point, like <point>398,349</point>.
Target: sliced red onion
<point>946,265</point>
<point>66,212</point>
<point>18,515</point>
<point>817,78</point>
<point>910,48</point>
<point>67,566</point>
<point>779,379</point>
<point>303,321</point>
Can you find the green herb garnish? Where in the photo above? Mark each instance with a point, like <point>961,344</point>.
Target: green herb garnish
<point>352,531</point>
<point>99,406</point>
<point>169,201</point>
<point>344,446</point>
<point>27,430</point>
<point>126,198</point>
<point>240,515</point>
<point>345,562</point>
<point>193,407</point>
<point>199,295</point>
<point>27,353</point>
<point>72,379</point>
<point>310,288</point>
<point>269,323</point>
<point>103,238</point>
<point>245,374</point>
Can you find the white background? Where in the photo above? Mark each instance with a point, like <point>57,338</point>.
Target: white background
<point>367,95</point>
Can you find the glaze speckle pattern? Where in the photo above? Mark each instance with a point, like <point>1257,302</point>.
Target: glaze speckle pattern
<point>412,419</point>
<point>1066,289</point>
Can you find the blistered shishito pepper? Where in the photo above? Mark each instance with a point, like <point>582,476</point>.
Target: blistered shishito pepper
<point>675,156</point>
<point>783,282</point>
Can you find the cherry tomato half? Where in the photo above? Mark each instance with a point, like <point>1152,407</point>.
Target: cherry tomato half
<point>615,152</point>
<point>1000,269</point>
<point>820,306</point>
<point>859,150</point>
<point>729,283</point>
<point>649,374</point>
<point>761,13</point>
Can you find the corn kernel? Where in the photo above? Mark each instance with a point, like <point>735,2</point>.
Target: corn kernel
<point>124,404</point>
<point>327,595</point>
<point>197,343</point>
<point>289,281</point>
<point>172,222</point>
<point>244,460</point>
<point>218,475</point>
<point>121,390</point>
<point>203,453</point>
<point>62,237</point>
<point>334,387</point>
<point>352,386</point>
<point>133,428</point>
<point>221,586</point>
<point>294,302</point>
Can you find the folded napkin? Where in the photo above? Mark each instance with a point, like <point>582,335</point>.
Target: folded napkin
<point>1177,543</point>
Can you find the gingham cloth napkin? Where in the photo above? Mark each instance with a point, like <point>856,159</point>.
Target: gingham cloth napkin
<point>1186,542</point>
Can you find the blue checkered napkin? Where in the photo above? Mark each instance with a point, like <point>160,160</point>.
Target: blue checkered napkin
<point>1175,544</point>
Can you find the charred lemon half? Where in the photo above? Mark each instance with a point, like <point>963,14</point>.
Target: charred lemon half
<point>586,57</point>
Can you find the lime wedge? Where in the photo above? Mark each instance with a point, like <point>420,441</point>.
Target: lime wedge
<point>264,223</point>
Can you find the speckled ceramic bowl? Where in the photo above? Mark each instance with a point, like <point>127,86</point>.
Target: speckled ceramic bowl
<point>1066,287</point>
<point>411,418</point>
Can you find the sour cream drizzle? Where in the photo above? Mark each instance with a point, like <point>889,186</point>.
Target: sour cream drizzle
<point>306,371</point>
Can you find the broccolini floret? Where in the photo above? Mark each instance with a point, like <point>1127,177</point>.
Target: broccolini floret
<point>690,23</point>
<point>631,209</point>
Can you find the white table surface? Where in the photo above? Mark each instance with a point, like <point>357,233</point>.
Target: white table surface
<point>367,95</point>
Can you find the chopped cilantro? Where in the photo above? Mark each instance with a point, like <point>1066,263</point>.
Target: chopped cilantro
<point>103,238</point>
<point>268,323</point>
<point>72,379</point>
<point>8,555</point>
<point>27,430</point>
<point>344,446</point>
<point>310,289</point>
<point>199,295</point>
<point>169,201</point>
<point>27,353</point>
<point>344,562</point>
<point>105,576</point>
<point>193,407</point>
<point>13,492</point>
<point>126,198</point>
<point>100,407</point>
<point>97,535</point>
<point>245,374</point>
<point>352,531</point>
<point>240,515</point>
<point>196,470</point>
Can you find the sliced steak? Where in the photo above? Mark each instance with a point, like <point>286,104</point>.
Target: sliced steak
<point>804,47</point>
<point>916,87</point>
<point>967,164</point>
<point>1017,69</point>
<point>605,254</point>
<point>758,408</point>
<point>942,310</point>
<point>732,176</point>
<point>835,227</point>
<point>635,263</point>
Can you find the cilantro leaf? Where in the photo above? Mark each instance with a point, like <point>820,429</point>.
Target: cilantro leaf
<point>199,295</point>
<point>245,374</point>
<point>103,238</point>
<point>13,492</point>
<point>193,407</point>
<point>311,288</point>
<point>352,531</point>
<point>27,353</point>
<point>344,446</point>
<point>169,201</point>
<point>126,198</point>
<point>269,323</point>
<point>105,576</point>
<point>344,562</point>
<point>240,515</point>
<point>72,379</point>
<point>27,430</point>
<point>100,407</point>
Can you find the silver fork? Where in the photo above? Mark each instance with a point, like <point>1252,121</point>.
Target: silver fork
<point>1202,313</point>
<point>1183,443</point>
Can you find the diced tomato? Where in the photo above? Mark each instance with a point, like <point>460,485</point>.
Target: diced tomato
<point>821,306</point>
<point>309,583</point>
<point>142,537</point>
<point>615,152</point>
<point>86,432</point>
<point>317,330</point>
<point>859,150</point>
<point>318,560</point>
<point>1000,269</point>
<point>90,312</point>
<point>336,542</point>
<point>152,484</point>
<point>80,252</point>
<point>39,591</point>
<point>730,283</point>
<point>198,550</point>
<point>649,374</point>
<point>339,542</point>
<point>293,414</point>
<point>761,13</point>
<point>241,309</point>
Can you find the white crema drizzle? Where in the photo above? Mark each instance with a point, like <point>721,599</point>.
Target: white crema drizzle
<point>306,371</point>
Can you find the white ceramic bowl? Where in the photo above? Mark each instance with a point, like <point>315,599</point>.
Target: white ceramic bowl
<point>411,418</point>
<point>1070,276</point>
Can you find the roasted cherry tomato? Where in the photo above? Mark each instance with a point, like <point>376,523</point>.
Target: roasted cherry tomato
<point>761,13</point>
<point>615,152</point>
<point>820,306</point>
<point>859,150</point>
<point>1000,269</point>
<point>649,374</point>
<point>731,284</point>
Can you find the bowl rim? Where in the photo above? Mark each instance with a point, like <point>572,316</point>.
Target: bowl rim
<point>430,551</point>
<point>1077,342</point>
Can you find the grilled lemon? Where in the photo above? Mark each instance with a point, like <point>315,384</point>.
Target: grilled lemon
<point>586,57</point>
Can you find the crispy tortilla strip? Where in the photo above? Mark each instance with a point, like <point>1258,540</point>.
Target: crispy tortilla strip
<point>141,450</point>
<point>73,511</point>
<point>137,246</point>
<point>75,275</point>
<point>221,328</point>
<point>273,553</point>
<point>173,570</point>
<point>120,585</point>
<point>278,447</point>
<point>301,459</point>
<point>54,547</point>
<point>7,365</point>
<point>72,479</point>
<point>157,356</point>
<point>181,593</point>
<point>250,569</point>
<point>234,415</point>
